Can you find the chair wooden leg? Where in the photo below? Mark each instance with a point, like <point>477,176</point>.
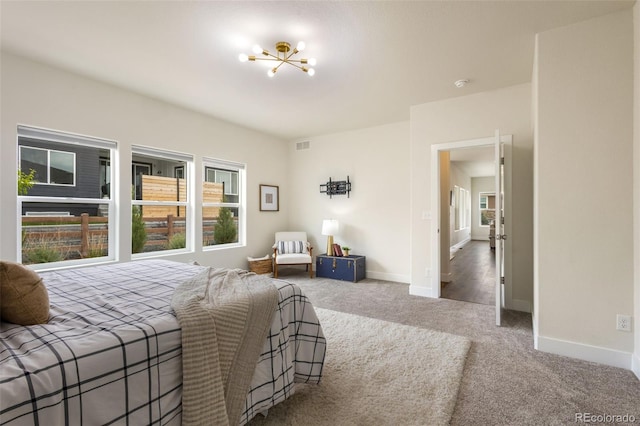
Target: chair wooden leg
<point>275,270</point>
<point>311,270</point>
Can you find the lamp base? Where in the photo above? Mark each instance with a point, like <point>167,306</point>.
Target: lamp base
<point>330,245</point>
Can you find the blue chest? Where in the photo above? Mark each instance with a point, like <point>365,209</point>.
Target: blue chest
<point>345,268</point>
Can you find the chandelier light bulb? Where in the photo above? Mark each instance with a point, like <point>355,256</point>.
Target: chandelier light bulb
<point>312,61</point>
<point>272,72</point>
<point>257,49</point>
<point>300,46</point>
<point>243,57</point>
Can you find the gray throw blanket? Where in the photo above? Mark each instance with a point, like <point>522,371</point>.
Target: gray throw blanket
<point>224,316</point>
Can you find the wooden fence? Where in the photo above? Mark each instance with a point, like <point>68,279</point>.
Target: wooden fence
<point>73,236</point>
<point>76,237</point>
<point>87,236</point>
<point>158,188</point>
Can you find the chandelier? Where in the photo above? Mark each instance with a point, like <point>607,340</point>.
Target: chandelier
<point>282,56</point>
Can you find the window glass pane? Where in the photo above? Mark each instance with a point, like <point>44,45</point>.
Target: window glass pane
<point>234,183</point>
<point>158,227</point>
<point>61,167</point>
<point>221,223</point>
<point>64,228</point>
<point>34,159</point>
<point>50,233</point>
<point>224,177</point>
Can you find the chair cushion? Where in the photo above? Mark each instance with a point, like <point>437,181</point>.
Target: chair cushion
<point>287,247</point>
<point>293,259</point>
<point>24,299</point>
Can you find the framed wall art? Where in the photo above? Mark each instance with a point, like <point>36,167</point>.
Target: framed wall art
<point>269,198</point>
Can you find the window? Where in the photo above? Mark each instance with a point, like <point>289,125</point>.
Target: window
<point>161,211</point>
<point>51,167</point>
<point>462,208</point>
<point>487,208</point>
<point>65,216</point>
<point>223,215</point>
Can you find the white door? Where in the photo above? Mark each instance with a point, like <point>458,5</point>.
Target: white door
<point>499,222</point>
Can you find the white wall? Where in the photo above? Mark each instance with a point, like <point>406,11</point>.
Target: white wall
<point>374,219</point>
<point>636,186</point>
<point>42,96</point>
<point>465,118</point>
<point>478,185</point>
<point>584,173</point>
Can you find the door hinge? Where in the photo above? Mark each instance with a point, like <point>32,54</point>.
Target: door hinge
<point>502,161</point>
<point>501,280</point>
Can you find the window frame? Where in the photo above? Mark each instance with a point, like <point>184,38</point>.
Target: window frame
<point>48,165</point>
<point>486,194</point>
<point>212,164</point>
<point>72,139</point>
<point>188,204</point>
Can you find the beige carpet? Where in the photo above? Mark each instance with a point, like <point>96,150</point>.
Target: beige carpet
<point>378,373</point>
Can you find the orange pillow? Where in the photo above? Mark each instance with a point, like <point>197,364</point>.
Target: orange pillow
<point>23,296</point>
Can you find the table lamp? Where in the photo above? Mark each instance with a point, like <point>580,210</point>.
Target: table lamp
<point>329,228</point>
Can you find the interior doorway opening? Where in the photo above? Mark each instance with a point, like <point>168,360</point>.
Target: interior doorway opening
<point>469,274</point>
<point>452,202</point>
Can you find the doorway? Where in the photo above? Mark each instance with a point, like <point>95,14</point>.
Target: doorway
<point>441,200</point>
<point>469,275</point>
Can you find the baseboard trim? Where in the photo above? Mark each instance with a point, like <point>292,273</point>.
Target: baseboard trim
<point>384,276</point>
<point>418,290</point>
<point>446,278</point>
<point>520,305</point>
<point>584,352</point>
<point>459,245</point>
<point>635,364</point>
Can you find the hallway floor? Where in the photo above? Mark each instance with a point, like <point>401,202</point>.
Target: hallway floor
<point>473,274</point>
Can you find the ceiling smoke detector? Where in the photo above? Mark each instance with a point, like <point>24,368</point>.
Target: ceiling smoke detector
<point>461,83</point>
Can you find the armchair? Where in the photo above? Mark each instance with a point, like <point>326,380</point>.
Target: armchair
<point>292,248</point>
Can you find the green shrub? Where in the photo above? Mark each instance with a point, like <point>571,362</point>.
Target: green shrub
<point>26,181</point>
<point>138,230</point>
<point>177,241</point>
<point>43,250</point>
<point>96,246</point>
<point>225,230</point>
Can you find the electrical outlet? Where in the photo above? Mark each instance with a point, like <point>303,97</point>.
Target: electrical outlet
<point>623,322</point>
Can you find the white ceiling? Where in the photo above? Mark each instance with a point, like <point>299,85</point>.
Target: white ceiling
<point>375,58</point>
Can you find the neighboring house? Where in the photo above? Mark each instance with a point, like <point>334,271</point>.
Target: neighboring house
<point>62,170</point>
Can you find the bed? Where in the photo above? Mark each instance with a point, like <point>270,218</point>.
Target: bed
<point>111,351</point>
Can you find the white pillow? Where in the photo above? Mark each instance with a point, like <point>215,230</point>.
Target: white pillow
<point>286,247</point>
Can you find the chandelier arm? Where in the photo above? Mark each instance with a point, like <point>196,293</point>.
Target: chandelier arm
<point>295,65</point>
<point>295,51</point>
<point>271,58</point>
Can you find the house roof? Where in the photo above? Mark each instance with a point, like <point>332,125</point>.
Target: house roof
<point>375,59</point>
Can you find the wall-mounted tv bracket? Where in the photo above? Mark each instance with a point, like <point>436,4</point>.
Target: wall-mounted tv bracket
<point>336,187</point>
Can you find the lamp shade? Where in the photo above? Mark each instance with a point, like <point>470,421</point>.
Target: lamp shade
<point>329,227</point>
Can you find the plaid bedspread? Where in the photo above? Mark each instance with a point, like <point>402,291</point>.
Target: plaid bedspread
<point>111,352</point>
